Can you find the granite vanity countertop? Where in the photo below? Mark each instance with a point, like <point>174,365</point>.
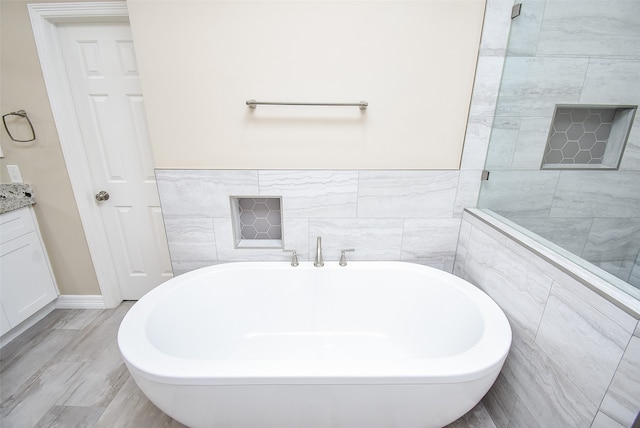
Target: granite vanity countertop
<point>14,196</point>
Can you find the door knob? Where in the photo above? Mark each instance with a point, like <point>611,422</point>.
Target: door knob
<point>102,196</point>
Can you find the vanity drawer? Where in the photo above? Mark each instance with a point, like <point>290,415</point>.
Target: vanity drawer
<point>16,223</point>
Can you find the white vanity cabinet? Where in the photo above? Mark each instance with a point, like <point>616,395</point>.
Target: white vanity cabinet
<point>27,284</point>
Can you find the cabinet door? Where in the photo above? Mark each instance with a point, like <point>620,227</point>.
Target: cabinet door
<point>26,285</point>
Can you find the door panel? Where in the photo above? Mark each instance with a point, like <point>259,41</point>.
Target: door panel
<point>105,86</point>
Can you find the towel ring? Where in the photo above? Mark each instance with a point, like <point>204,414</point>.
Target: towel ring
<point>23,114</point>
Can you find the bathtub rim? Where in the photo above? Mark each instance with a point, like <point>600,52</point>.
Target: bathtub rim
<point>483,359</point>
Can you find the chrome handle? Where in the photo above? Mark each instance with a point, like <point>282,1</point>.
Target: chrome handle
<point>102,196</point>
<point>343,256</point>
<point>294,257</point>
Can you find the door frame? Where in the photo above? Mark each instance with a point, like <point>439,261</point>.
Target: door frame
<point>44,20</point>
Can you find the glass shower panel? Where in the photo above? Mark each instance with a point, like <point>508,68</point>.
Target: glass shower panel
<point>570,54</point>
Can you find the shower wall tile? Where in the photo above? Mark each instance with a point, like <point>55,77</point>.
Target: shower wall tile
<point>603,421</point>
<point>574,334</point>
<point>590,28</point>
<point>430,239</point>
<point>202,193</point>
<point>631,154</point>
<point>634,276</point>
<point>531,86</point>
<point>530,143</point>
<point>581,349</point>
<point>623,397</point>
<point>495,36</point>
<point>613,81</point>
<point>468,190</point>
<point>500,152</point>
<point>500,401</point>
<point>407,194</point>
<point>313,194</point>
<point>550,398</point>
<point>525,29</point>
<point>601,194</point>
<point>520,193</point>
<point>486,86</point>
<point>372,239</point>
<point>519,288</point>
<point>613,239</point>
<point>476,142</point>
<point>569,233</point>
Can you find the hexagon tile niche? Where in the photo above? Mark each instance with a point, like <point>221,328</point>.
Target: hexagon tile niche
<point>584,137</point>
<point>257,221</point>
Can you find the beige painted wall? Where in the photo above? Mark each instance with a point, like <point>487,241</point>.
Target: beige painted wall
<point>413,61</point>
<point>41,162</point>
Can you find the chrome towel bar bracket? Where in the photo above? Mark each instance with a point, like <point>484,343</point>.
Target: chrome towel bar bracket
<point>362,104</point>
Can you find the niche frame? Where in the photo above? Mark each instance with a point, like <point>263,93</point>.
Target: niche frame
<point>258,238</point>
<point>571,126</point>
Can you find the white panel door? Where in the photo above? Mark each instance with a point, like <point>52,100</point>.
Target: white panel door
<point>103,77</point>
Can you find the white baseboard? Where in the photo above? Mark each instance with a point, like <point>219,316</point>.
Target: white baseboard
<point>78,301</point>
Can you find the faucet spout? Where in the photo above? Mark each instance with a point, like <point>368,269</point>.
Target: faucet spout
<point>319,261</point>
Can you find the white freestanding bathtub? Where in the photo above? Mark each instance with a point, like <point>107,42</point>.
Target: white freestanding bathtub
<point>261,345</point>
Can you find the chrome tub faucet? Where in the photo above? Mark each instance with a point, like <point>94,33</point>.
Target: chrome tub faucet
<point>319,261</point>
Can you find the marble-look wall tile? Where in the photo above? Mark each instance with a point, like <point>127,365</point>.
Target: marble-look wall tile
<point>461,248</point>
<point>468,191</point>
<point>519,193</point>
<point>623,397</point>
<point>525,29</point>
<point>518,287</point>
<point>486,86</point>
<point>476,142</point>
<point>590,28</point>
<point>597,194</point>
<point>531,86</point>
<point>502,148</point>
<point>228,253</point>
<point>500,402</point>
<point>202,193</point>
<point>407,194</point>
<point>584,343</point>
<point>557,373</point>
<point>191,239</point>
<point>613,81</point>
<point>531,142</point>
<point>313,194</point>
<point>569,233</point>
<point>603,306</point>
<point>372,239</point>
<point>430,239</point>
<point>631,155</point>
<point>613,239</point>
<point>550,397</point>
<point>603,421</point>
<point>634,276</point>
<point>495,33</point>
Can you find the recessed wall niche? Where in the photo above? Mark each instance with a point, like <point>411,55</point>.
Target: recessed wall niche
<point>587,136</point>
<point>257,221</point>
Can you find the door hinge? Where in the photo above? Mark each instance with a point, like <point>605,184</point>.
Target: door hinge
<point>515,10</point>
<point>485,175</point>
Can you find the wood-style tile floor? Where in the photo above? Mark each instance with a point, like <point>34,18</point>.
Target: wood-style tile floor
<point>66,371</point>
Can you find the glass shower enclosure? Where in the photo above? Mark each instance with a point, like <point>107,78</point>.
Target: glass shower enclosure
<point>564,153</point>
